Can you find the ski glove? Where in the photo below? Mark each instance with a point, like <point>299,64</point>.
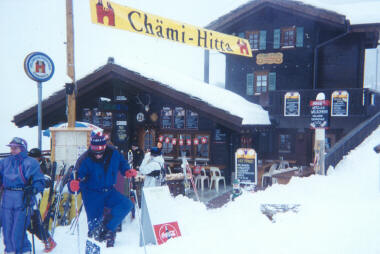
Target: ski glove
<point>130,173</point>
<point>74,185</point>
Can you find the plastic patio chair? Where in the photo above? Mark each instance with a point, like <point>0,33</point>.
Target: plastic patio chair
<point>216,176</point>
<point>200,178</point>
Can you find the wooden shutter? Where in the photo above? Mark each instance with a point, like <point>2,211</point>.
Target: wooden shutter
<point>263,39</point>
<point>276,38</point>
<point>272,81</point>
<point>299,39</point>
<point>250,78</point>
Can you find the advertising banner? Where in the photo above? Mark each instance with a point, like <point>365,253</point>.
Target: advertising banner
<point>339,103</point>
<point>126,18</point>
<point>319,114</point>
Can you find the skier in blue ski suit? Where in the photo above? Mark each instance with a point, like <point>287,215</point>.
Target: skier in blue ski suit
<point>97,171</point>
<point>21,178</point>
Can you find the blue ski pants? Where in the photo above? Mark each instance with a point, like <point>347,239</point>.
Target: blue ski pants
<point>95,201</point>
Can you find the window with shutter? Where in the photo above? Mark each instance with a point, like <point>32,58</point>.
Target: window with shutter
<point>272,81</point>
<point>250,84</point>
<point>288,37</point>
<point>261,82</point>
<point>253,38</point>
<point>263,39</point>
<point>276,38</point>
<point>299,39</point>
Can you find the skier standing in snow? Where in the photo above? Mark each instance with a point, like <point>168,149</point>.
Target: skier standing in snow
<point>36,226</point>
<point>97,172</point>
<point>22,179</point>
<point>151,167</point>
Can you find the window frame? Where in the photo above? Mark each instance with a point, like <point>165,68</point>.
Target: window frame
<point>261,74</point>
<point>248,33</point>
<point>289,140</point>
<point>285,30</point>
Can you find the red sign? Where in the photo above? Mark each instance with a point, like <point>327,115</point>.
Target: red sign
<point>203,140</point>
<point>161,138</point>
<point>167,140</point>
<point>181,142</point>
<point>174,141</point>
<point>196,141</point>
<point>166,231</point>
<point>188,142</point>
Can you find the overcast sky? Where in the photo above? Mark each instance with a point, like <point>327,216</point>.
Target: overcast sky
<point>40,25</point>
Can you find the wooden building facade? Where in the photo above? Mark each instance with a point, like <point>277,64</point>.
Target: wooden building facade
<point>138,109</point>
<point>299,51</point>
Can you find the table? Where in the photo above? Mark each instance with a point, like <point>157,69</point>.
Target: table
<point>284,176</point>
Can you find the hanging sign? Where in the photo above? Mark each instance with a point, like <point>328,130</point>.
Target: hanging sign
<point>38,66</point>
<point>319,114</point>
<point>188,142</point>
<point>140,117</point>
<point>203,140</point>
<point>339,103</point>
<point>167,140</point>
<point>174,141</point>
<point>179,118</point>
<point>292,104</point>
<point>166,118</point>
<point>126,18</point>
<point>246,166</point>
<point>196,141</point>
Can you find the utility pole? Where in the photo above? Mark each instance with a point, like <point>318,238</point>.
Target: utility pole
<point>70,88</point>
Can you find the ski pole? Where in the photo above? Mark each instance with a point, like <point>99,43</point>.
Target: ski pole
<point>139,219</point>
<point>76,211</point>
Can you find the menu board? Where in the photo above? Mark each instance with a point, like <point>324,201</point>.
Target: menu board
<point>179,118</point>
<point>246,166</point>
<point>220,136</point>
<point>87,115</point>
<point>107,119</point>
<point>292,104</point>
<point>121,127</point>
<point>191,119</point>
<point>96,117</point>
<point>166,118</point>
<point>339,103</point>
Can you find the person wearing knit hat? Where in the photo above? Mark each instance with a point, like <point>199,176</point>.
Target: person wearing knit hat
<point>21,179</point>
<point>97,170</point>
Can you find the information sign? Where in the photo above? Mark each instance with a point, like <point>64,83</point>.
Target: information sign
<point>319,114</point>
<point>246,166</point>
<point>339,103</point>
<point>179,118</point>
<point>191,119</point>
<point>292,104</point>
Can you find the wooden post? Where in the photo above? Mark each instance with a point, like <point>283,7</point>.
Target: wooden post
<point>71,100</point>
<point>319,145</point>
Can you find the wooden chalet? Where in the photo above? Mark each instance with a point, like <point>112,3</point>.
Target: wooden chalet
<point>299,50</point>
<point>138,108</point>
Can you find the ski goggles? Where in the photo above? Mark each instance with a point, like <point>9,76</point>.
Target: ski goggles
<point>18,142</point>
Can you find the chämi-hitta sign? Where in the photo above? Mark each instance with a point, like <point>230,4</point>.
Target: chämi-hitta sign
<point>122,17</point>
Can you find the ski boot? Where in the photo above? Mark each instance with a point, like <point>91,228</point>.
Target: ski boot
<point>98,233</point>
<point>110,238</point>
<point>49,245</point>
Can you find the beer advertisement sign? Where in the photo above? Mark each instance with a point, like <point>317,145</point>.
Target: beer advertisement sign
<point>339,103</point>
<point>292,104</point>
<point>246,166</point>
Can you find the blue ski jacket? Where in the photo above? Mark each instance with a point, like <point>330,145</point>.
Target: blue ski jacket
<point>98,175</point>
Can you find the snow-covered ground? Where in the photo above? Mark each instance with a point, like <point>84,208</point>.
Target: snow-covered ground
<point>338,213</point>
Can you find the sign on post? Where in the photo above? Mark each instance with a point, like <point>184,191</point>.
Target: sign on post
<point>319,114</point>
<point>126,18</point>
<point>246,166</point>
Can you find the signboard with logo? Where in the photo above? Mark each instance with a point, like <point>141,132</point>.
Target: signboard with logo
<point>319,114</point>
<point>292,104</point>
<point>339,103</point>
<point>166,231</point>
<point>269,58</point>
<point>246,166</point>
<point>158,216</point>
<point>126,18</point>
<point>38,66</point>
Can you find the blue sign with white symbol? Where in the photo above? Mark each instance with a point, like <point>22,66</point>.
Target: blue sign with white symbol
<point>39,66</point>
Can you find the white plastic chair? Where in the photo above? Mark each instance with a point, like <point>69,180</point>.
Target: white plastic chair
<point>283,165</point>
<point>269,174</point>
<point>201,178</point>
<point>216,176</point>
